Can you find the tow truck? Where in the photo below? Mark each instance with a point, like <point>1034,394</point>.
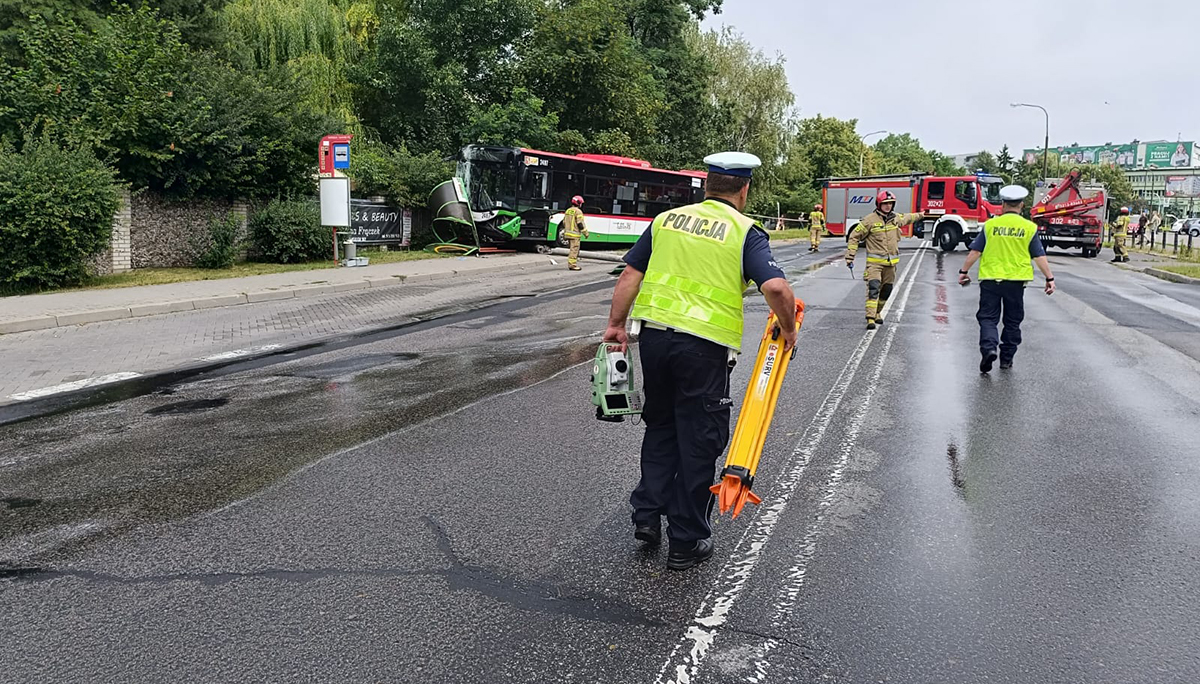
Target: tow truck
<point>1075,223</point>
<point>955,207</point>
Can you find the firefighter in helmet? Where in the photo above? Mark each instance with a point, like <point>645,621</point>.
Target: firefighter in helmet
<point>816,226</point>
<point>880,231</point>
<point>1120,231</point>
<point>574,230</point>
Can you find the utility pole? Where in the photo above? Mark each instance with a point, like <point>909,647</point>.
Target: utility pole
<point>862,152</point>
<point>1046,146</point>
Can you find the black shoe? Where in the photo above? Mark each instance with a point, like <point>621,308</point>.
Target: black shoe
<point>879,319</point>
<point>1005,364</point>
<point>650,534</point>
<point>870,324</point>
<point>989,358</point>
<point>680,559</point>
<point>1115,260</point>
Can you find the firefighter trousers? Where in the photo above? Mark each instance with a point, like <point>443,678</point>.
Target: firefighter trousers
<point>687,410</point>
<point>1119,246</point>
<point>881,278</point>
<point>814,238</point>
<point>573,254</point>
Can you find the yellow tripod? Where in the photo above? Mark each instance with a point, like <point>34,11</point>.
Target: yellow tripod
<point>758,407</point>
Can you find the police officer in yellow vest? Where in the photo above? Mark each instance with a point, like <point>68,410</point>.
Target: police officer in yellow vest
<point>816,226</point>
<point>1120,232</point>
<point>574,230</point>
<point>1003,249</point>
<point>684,282</point>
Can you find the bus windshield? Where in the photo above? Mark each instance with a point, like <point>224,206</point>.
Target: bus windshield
<point>489,185</point>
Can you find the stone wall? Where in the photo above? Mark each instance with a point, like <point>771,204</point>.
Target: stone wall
<point>164,232</point>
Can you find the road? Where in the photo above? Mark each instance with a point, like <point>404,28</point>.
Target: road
<point>437,503</point>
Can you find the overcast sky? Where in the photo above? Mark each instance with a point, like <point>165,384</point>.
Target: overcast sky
<point>1107,70</point>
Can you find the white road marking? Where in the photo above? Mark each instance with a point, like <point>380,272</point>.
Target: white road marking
<point>72,386</point>
<point>798,573</point>
<point>238,353</point>
<point>689,652</point>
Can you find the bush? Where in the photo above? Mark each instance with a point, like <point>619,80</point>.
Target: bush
<point>56,211</point>
<point>218,247</point>
<point>401,176</point>
<point>290,231</point>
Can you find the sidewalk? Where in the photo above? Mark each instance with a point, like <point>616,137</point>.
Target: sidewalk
<point>61,309</point>
<point>308,307</point>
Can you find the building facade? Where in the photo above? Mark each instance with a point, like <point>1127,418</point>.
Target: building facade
<point>1165,174</point>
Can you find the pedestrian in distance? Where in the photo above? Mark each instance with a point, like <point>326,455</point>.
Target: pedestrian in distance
<point>574,230</point>
<point>684,282</point>
<point>1004,249</point>
<point>880,232</point>
<point>816,226</point>
<point>1120,232</point>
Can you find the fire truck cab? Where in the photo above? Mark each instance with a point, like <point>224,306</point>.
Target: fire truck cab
<point>955,207</point>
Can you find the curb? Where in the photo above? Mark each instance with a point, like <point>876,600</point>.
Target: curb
<point>154,309</point>
<point>1173,277</point>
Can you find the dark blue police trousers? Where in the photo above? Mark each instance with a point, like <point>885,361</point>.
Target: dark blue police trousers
<point>686,412</point>
<point>1001,299</point>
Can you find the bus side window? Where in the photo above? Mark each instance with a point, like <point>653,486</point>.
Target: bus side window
<point>539,185</point>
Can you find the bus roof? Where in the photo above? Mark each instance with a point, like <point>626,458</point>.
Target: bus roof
<point>614,160</point>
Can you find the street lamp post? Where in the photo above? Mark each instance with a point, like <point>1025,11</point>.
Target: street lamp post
<point>1046,146</point>
<point>863,151</point>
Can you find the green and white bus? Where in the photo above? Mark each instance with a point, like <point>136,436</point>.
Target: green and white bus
<point>519,194</point>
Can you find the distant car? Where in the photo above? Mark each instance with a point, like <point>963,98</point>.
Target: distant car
<point>1187,226</point>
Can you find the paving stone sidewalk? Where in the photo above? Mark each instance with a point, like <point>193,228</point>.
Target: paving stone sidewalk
<point>61,309</point>
<point>43,361</point>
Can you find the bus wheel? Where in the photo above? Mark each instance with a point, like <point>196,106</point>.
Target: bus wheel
<point>543,249</point>
<point>948,239</point>
<point>561,240</point>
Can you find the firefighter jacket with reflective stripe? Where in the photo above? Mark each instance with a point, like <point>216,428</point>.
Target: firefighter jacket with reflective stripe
<point>1006,248</point>
<point>572,224</point>
<point>694,280</point>
<point>881,235</point>
<point>816,220</point>
<point>1120,227</point>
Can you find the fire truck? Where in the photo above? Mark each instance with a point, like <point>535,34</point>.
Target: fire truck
<point>955,207</point>
<point>1075,222</point>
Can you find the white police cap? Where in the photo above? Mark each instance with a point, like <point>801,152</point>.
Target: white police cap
<point>1013,193</point>
<point>733,163</point>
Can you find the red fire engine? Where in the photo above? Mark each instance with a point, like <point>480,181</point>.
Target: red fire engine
<point>1076,222</point>
<point>955,207</point>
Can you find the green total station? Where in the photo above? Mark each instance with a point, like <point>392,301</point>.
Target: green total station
<point>614,391</point>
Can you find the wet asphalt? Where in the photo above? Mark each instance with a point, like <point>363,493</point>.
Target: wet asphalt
<point>437,503</point>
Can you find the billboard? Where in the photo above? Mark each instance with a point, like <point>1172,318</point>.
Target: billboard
<point>1124,156</point>
<point>1165,155</point>
<point>1183,186</point>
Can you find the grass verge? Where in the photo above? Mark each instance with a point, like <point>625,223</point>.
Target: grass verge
<point>789,234</point>
<point>1187,270</point>
<point>161,276</point>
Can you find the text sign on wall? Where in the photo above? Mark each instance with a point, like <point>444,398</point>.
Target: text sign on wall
<point>377,222</point>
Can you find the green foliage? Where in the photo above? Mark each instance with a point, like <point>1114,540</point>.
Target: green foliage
<point>218,247</point>
<point>906,151</point>
<point>398,174</point>
<point>830,145</point>
<point>519,121</point>
<point>289,232</point>
<point>166,118</point>
<point>56,211</point>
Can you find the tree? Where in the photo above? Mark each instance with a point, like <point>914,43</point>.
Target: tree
<point>830,145</point>
<point>906,151</point>
<point>1004,160</point>
<point>520,122</point>
<point>986,163</point>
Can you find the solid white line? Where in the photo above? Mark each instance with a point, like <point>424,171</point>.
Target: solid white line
<point>689,652</point>
<point>796,575</point>
<point>238,353</point>
<point>72,386</point>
